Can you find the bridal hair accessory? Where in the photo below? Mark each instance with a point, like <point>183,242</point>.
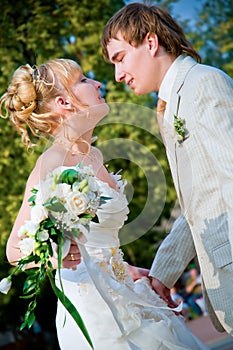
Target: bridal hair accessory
<point>40,75</point>
<point>179,126</point>
<point>62,208</point>
<point>35,74</point>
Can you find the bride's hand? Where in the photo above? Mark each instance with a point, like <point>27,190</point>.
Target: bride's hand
<point>73,258</point>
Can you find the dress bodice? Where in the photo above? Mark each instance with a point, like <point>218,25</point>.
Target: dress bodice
<point>101,242</point>
<point>111,216</point>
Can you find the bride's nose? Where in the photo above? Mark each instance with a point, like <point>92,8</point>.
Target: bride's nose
<point>97,84</point>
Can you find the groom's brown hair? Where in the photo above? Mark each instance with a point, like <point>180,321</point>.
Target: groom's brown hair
<point>136,20</point>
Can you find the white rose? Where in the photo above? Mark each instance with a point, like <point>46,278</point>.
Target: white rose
<point>38,213</point>
<point>76,203</point>
<point>26,245</point>
<point>5,285</point>
<point>29,228</point>
<point>44,190</point>
<point>61,191</point>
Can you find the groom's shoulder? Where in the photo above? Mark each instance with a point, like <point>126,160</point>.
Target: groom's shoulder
<point>204,71</point>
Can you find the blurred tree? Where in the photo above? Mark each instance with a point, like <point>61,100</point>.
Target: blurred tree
<point>214,35</point>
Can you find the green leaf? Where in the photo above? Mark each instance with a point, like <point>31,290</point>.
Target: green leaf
<point>29,296</point>
<point>85,216</point>
<point>32,199</point>
<point>23,325</point>
<point>69,176</point>
<point>59,253</point>
<point>26,260</point>
<point>50,249</point>
<point>104,199</point>
<point>54,205</point>
<point>53,231</point>
<point>95,219</point>
<point>31,320</point>
<point>33,271</point>
<point>29,285</point>
<point>48,223</point>
<point>70,308</point>
<point>79,166</point>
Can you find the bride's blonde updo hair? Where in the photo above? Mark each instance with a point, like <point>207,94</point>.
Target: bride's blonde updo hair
<point>27,102</point>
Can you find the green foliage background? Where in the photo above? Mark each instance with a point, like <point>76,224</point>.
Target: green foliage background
<point>34,31</point>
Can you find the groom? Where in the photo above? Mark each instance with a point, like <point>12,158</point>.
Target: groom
<point>150,53</point>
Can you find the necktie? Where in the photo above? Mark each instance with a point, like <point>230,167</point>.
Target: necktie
<point>161,107</point>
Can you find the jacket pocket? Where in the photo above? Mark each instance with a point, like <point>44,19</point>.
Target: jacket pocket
<point>222,255</point>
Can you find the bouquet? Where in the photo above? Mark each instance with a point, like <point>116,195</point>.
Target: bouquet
<point>62,207</point>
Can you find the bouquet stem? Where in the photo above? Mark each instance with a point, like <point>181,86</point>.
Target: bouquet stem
<point>70,308</point>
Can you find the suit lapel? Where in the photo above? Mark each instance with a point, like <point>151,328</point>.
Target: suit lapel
<point>184,68</point>
<point>185,65</point>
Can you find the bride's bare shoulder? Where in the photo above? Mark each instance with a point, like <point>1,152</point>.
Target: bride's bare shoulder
<point>47,162</point>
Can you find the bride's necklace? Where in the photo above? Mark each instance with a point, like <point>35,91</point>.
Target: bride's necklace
<point>73,145</point>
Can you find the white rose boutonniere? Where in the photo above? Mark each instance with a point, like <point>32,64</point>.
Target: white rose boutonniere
<point>181,131</point>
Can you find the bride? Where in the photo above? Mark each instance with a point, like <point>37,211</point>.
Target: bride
<point>114,299</point>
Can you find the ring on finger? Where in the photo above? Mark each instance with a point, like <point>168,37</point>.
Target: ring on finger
<point>72,257</point>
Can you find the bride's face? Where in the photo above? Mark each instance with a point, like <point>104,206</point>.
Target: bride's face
<point>87,91</point>
<point>89,96</point>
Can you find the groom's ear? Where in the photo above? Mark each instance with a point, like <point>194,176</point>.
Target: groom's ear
<point>152,43</point>
<point>63,103</point>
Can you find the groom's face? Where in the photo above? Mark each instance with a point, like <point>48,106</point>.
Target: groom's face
<point>133,65</point>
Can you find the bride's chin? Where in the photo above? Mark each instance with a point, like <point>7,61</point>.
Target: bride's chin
<point>99,111</point>
<point>106,108</point>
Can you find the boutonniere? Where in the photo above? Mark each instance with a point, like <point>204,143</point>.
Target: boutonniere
<point>179,126</point>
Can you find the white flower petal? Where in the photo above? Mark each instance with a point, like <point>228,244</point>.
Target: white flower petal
<point>43,235</point>
<point>61,191</point>
<point>38,214</point>
<point>5,285</point>
<point>26,245</point>
<point>76,203</point>
<point>28,229</point>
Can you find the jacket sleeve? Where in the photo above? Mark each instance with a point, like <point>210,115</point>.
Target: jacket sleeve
<point>215,123</point>
<point>174,254</point>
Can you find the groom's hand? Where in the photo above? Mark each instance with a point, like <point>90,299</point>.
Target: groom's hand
<point>163,292</point>
<point>137,272</point>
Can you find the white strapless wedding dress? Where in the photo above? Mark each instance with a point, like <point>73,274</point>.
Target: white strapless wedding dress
<point>119,314</point>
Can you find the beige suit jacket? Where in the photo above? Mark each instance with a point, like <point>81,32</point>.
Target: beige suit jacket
<point>202,170</point>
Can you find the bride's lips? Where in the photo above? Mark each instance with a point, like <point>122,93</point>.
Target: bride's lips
<point>101,99</point>
<point>130,83</point>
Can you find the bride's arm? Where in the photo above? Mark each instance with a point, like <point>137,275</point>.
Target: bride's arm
<point>13,252</point>
<point>12,249</point>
